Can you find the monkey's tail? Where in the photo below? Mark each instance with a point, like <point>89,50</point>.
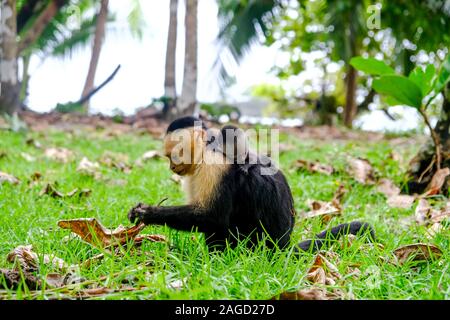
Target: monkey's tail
<point>329,236</point>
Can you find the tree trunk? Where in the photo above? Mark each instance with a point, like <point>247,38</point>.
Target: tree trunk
<point>187,102</point>
<point>350,97</point>
<point>96,49</point>
<point>9,86</point>
<point>170,93</point>
<point>422,167</point>
<point>41,22</point>
<point>25,78</point>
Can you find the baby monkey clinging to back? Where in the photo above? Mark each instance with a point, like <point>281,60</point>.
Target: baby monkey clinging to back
<point>233,194</point>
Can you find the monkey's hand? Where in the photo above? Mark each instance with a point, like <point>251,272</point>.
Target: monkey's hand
<point>140,213</point>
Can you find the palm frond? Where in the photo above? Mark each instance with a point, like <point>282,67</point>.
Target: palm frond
<point>242,22</point>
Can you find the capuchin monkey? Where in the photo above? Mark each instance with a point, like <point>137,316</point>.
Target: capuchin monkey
<point>233,194</point>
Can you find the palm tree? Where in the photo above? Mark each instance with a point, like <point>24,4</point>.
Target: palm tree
<point>187,103</point>
<point>170,93</point>
<point>239,23</point>
<point>96,49</point>
<point>9,95</point>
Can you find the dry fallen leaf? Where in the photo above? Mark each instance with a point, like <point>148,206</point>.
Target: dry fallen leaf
<point>50,190</point>
<point>116,160</point>
<point>26,259</point>
<point>59,154</point>
<point>436,183</point>
<point>314,167</point>
<point>5,177</point>
<point>401,201</point>
<point>308,294</point>
<point>58,280</point>
<point>388,188</point>
<point>361,170</point>
<point>423,212</point>
<point>149,155</point>
<point>417,252</point>
<point>323,272</point>
<point>13,279</point>
<point>89,168</point>
<point>427,215</point>
<point>91,231</point>
<point>326,210</point>
<point>434,229</point>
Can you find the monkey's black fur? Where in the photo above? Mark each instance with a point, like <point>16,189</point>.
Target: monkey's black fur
<point>247,205</point>
<point>185,122</point>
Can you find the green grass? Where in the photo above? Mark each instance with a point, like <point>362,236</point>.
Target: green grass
<point>27,218</point>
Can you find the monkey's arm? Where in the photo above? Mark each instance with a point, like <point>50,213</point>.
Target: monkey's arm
<point>184,218</point>
<point>328,236</point>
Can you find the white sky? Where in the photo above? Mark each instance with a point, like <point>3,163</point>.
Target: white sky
<point>141,76</point>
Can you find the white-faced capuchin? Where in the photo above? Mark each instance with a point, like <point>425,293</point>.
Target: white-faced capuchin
<point>230,196</point>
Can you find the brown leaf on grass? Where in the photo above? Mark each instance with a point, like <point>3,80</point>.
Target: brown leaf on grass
<point>26,259</point>
<point>149,155</point>
<point>436,183</point>
<point>309,294</point>
<point>388,188</point>
<point>338,195</point>
<point>426,215</point>
<point>5,177</point>
<point>423,212</point>
<point>150,237</point>
<point>361,170</point>
<point>50,190</point>
<point>314,167</point>
<point>91,231</point>
<point>36,176</point>
<point>401,201</point>
<point>13,279</point>
<point>323,272</point>
<point>89,168</point>
<point>59,154</point>
<point>58,280</point>
<point>326,210</point>
<point>119,161</point>
<point>433,230</point>
<point>417,252</point>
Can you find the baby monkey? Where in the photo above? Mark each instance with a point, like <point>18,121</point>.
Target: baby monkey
<point>233,194</point>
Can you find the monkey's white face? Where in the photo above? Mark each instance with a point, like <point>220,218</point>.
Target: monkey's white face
<point>184,149</point>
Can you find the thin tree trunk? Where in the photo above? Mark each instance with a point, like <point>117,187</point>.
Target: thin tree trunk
<point>188,101</point>
<point>350,97</point>
<point>41,22</point>
<point>170,79</point>
<point>9,87</point>
<point>96,49</point>
<point>25,78</point>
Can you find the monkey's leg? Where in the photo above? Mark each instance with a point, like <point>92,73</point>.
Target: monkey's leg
<point>328,236</point>
<point>184,218</point>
